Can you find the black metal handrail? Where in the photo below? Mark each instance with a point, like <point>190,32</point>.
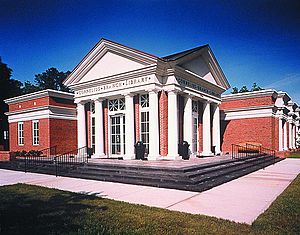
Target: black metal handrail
<point>248,150</point>
<point>70,159</point>
<point>38,157</point>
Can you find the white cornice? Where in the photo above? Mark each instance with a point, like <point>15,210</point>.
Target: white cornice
<point>49,112</point>
<point>149,70</point>
<point>196,79</point>
<point>40,94</point>
<point>48,107</point>
<point>251,94</point>
<point>248,113</point>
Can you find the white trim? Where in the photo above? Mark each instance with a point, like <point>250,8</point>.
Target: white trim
<point>18,130</point>
<point>33,135</point>
<point>40,94</point>
<point>242,114</point>
<point>41,113</point>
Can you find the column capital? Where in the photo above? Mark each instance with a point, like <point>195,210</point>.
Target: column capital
<point>82,102</point>
<point>99,99</point>
<point>173,92</point>
<point>128,94</point>
<point>154,90</point>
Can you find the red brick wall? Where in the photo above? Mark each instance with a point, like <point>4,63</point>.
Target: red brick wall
<point>63,134</point>
<point>200,127</point>
<point>260,130</point>
<point>105,126</point>
<point>88,129</point>
<point>137,117</point>
<point>44,139</point>
<point>44,101</point>
<point>4,155</point>
<point>258,101</point>
<point>61,102</point>
<point>29,104</point>
<point>163,123</point>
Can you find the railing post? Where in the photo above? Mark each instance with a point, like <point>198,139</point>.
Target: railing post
<point>25,164</point>
<point>55,163</point>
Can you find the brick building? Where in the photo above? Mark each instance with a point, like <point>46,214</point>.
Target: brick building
<point>42,119</point>
<point>123,95</point>
<point>266,117</point>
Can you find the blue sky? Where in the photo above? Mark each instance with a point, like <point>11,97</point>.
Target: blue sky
<point>254,41</point>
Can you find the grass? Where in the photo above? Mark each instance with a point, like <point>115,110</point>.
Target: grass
<point>26,209</point>
<point>294,155</point>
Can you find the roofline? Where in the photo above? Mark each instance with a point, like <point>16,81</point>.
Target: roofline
<point>103,40</point>
<point>250,94</point>
<point>40,94</point>
<point>189,51</point>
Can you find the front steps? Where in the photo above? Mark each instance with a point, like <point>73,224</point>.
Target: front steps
<point>193,178</point>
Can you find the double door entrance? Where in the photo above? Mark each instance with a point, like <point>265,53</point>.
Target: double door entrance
<point>117,134</point>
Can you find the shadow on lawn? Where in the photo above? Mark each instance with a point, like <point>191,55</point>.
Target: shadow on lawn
<point>41,211</point>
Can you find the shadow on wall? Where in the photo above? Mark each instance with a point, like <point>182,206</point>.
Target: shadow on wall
<point>224,125</point>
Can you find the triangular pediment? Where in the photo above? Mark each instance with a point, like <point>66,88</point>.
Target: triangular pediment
<point>202,63</point>
<point>199,67</point>
<point>110,64</point>
<point>106,59</point>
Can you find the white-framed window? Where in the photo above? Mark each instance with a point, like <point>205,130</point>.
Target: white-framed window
<point>116,104</point>
<point>35,133</point>
<point>20,133</point>
<point>92,126</point>
<point>5,135</point>
<point>194,146</point>
<point>144,102</point>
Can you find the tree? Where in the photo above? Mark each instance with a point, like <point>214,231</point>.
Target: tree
<point>8,88</point>
<point>28,87</point>
<point>243,89</point>
<point>50,79</point>
<point>255,87</point>
<point>235,90</point>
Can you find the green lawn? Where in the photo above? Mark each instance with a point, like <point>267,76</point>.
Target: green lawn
<point>295,155</point>
<point>32,210</point>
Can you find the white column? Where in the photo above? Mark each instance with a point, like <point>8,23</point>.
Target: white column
<point>216,129</point>
<point>81,125</point>
<point>294,136</point>
<point>172,126</point>
<point>206,130</point>
<point>99,140</point>
<point>129,127</point>
<point>188,121</point>
<point>290,135</point>
<point>153,126</point>
<point>280,147</point>
<point>285,147</point>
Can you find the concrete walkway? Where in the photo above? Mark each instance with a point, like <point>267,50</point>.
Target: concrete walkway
<point>241,200</point>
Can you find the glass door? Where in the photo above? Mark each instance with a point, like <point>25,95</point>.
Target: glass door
<point>117,135</point>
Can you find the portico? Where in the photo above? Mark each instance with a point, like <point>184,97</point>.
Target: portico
<point>124,95</point>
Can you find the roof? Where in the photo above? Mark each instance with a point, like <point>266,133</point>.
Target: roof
<point>181,54</point>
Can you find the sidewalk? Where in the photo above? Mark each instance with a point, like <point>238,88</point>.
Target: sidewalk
<point>241,200</point>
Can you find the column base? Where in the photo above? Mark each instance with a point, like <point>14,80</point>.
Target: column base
<point>153,157</point>
<point>99,156</point>
<point>173,157</point>
<point>207,154</point>
<point>129,157</point>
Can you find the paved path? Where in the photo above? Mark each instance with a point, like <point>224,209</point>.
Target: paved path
<point>241,200</point>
